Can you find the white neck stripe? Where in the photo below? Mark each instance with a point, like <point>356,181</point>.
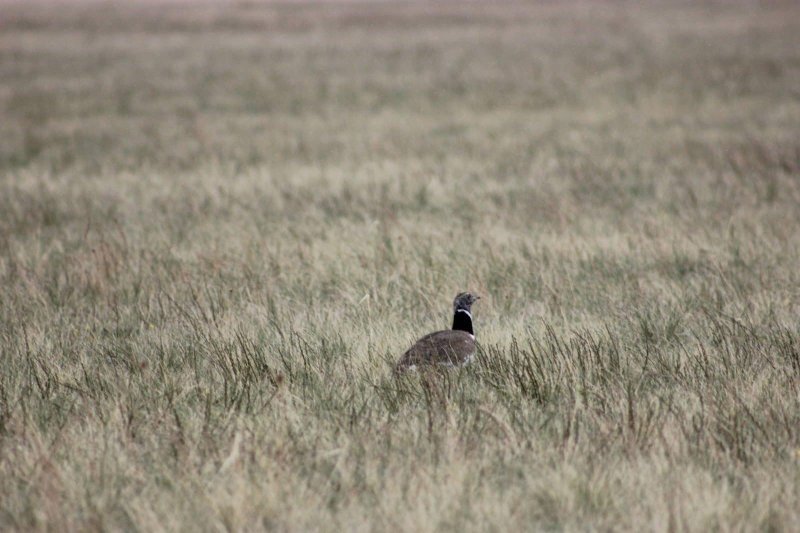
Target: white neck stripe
<point>464,311</point>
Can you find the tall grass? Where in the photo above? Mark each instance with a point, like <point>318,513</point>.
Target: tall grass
<point>220,225</point>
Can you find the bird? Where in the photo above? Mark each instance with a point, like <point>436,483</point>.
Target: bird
<point>448,348</point>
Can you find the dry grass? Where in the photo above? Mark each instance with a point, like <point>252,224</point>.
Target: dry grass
<point>220,224</point>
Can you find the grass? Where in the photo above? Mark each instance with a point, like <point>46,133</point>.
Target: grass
<point>220,225</point>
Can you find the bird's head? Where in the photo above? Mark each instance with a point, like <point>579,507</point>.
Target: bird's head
<point>464,301</point>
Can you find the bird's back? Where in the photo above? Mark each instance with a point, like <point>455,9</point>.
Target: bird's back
<point>449,347</point>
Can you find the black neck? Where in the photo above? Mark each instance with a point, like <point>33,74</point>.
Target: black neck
<point>463,321</point>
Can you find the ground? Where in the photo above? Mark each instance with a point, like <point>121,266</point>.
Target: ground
<point>221,223</point>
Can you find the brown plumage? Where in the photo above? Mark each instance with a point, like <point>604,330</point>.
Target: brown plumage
<point>453,347</point>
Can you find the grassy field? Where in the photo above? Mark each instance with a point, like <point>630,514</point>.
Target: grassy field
<point>220,225</point>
